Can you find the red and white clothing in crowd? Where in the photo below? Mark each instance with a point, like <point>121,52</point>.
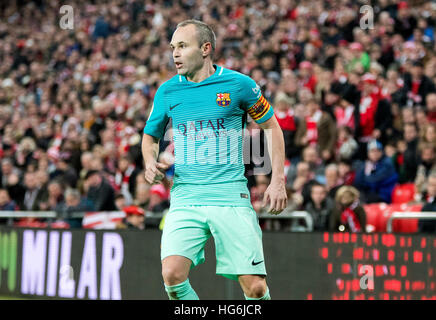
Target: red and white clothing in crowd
<point>390,87</point>
<point>368,106</point>
<point>128,137</point>
<point>308,82</point>
<point>347,179</point>
<point>311,127</point>
<point>122,179</point>
<point>350,217</point>
<point>345,116</point>
<point>160,190</point>
<point>286,119</point>
<point>367,109</point>
<point>307,79</point>
<point>413,94</point>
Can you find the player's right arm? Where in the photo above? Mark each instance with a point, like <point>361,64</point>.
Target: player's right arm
<point>154,130</point>
<point>150,152</point>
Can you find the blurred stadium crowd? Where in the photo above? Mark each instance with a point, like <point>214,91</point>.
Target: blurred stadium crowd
<point>357,105</point>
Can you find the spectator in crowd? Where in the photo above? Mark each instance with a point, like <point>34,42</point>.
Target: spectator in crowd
<point>319,207</point>
<point>135,218</point>
<point>311,157</point>
<point>374,119</point>
<point>346,172</point>
<point>142,196</point>
<point>10,180</point>
<point>6,203</point>
<point>307,78</point>
<point>53,197</point>
<point>431,107</point>
<point>410,155</point>
<point>288,123</point>
<point>346,146</point>
<point>8,169</point>
<point>64,172</point>
<point>86,165</point>
<point>120,201</point>
<point>421,119</point>
<point>70,208</point>
<point>429,205</point>
<point>348,215</point>
<point>343,100</point>
<point>318,129</point>
<point>426,166</point>
<point>427,135</point>
<point>257,192</point>
<point>99,192</point>
<point>407,116</point>
<point>125,177</point>
<point>302,183</point>
<point>24,154</point>
<point>395,151</point>
<point>376,177</point>
<point>159,197</point>
<point>417,85</point>
<point>358,58</point>
<point>34,193</point>
<point>332,179</point>
<point>405,22</point>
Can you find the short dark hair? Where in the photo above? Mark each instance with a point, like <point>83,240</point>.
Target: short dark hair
<point>119,196</point>
<point>317,184</point>
<point>90,173</point>
<point>204,32</point>
<point>409,124</point>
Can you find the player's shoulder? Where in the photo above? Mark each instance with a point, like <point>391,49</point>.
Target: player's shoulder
<point>233,73</point>
<point>242,79</point>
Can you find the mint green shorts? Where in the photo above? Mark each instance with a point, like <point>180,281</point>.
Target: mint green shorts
<point>236,231</point>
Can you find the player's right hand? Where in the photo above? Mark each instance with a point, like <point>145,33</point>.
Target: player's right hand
<point>155,172</point>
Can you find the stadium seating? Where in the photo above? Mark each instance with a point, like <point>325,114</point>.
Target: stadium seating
<point>378,214</point>
<point>403,193</point>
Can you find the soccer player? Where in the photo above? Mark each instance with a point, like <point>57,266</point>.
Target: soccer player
<point>207,105</point>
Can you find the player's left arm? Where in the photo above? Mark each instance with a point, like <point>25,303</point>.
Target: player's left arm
<point>275,194</point>
<point>259,109</point>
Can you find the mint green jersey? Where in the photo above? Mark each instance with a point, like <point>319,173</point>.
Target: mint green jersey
<point>208,119</point>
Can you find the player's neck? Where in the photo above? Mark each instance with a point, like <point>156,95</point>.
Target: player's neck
<point>205,72</point>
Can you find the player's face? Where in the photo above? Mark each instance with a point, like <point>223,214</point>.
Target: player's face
<point>187,53</point>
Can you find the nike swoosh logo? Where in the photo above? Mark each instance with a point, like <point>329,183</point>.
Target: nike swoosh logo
<point>256,263</point>
<point>172,107</point>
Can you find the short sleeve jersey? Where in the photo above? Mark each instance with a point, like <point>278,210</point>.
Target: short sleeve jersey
<point>208,119</point>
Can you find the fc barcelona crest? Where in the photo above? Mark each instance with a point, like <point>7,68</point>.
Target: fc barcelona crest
<point>223,99</point>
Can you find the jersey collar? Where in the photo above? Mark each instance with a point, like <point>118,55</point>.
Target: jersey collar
<point>218,72</point>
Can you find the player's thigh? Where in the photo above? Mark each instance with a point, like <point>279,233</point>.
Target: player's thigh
<point>184,234</point>
<point>238,241</point>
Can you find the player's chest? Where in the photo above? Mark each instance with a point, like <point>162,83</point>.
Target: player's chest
<point>199,103</point>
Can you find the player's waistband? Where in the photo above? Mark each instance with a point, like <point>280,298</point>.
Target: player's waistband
<point>233,193</point>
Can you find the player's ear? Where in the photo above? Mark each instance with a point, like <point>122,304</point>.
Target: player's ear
<point>207,49</point>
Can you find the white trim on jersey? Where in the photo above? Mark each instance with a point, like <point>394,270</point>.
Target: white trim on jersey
<point>180,78</point>
<point>221,71</point>
<point>152,107</point>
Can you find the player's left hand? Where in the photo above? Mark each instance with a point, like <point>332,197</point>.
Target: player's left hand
<point>276,195</point>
